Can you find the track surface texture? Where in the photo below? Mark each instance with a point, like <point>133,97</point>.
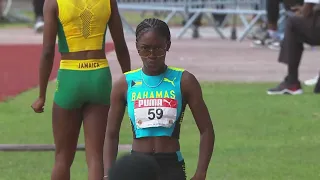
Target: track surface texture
<point>213,59</point>
<point>209,58</point>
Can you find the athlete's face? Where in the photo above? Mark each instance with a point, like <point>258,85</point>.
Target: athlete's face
<point>152,49</point>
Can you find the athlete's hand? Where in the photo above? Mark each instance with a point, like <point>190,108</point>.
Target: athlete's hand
<point>38,105</point>
<point>198,177</point>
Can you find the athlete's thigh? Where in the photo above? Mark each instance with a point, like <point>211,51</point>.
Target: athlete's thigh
<point>66,126</point>
<point>99,86</point>
<point>94,124</point>
<point>69,93</point>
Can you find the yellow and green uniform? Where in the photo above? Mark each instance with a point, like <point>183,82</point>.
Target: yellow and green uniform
<point>82,26</point>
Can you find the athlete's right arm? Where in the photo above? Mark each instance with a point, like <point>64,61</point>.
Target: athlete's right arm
<point>116,31</point>
<point>49,41</point>
<point>115,116</point>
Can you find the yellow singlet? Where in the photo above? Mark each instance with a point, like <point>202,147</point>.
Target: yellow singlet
<point>82,24</point>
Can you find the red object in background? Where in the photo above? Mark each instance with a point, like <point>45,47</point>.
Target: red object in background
<point>19,66</point>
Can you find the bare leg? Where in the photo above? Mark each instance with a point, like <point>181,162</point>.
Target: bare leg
<point>38,8</point>
<point>38,12</point>
<point>95,123</point>
<point>273,14</point>
<point>66,126</point>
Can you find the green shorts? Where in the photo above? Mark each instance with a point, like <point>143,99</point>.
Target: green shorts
<point>82,82</point>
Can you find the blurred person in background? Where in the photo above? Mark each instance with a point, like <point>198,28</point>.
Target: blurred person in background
<point>302,28</point>
<point>273,34</point>
<point>218,18</point>
<point>38,13</point>
<point>1,11</point>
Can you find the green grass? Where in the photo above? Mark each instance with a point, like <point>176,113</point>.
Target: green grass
<point>5,24</point>
<point>258,137</point>
<point>13,25</point>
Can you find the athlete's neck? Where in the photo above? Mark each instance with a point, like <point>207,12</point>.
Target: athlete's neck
<point>154,73</point>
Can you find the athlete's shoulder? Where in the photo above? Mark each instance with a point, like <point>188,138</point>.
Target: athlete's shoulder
<point>188,78</point>
<point>132,75</point>
<point>190,85</point>
<point>176,69</point>
<point>50,5</point>
<point>119,86</point>
<point>121,80</point>
<point>132,71</point>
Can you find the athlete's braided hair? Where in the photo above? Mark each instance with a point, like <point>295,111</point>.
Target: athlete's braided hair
<point>153,24</point>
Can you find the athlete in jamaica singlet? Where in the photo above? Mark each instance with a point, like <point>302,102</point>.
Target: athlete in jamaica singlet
<point>85,80</point>
<point>156,96</point>
<point>82,94</point>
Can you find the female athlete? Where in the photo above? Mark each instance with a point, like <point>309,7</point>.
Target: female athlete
<point>84,79</point>
<point>156,96</point>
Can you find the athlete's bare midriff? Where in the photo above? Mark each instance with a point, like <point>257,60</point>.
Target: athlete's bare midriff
<point>156,145</point>
<point>84,55</point>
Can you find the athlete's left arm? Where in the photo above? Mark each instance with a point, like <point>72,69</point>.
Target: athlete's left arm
<point>115,117</point>
<point>116,31</point>
<point>49,41</point>
<point>192,93</point>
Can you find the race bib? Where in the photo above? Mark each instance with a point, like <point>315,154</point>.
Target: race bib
<point>155,112</point>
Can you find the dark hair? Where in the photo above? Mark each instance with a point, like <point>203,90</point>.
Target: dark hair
<point>153,24</point>
<point>135,167</point>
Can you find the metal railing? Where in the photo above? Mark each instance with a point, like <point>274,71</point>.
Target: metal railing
<point>174,7</point>
<point>11,10</point>
<point>189,10</point>
<point>239,8</point>
<point>5,7</point>
<point>236,8</point>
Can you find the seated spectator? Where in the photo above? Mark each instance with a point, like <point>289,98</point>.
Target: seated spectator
<point>134,167</point>
<point>302,28</point>
<point>274,34</point>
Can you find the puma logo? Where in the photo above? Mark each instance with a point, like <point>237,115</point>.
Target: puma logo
<point>168,102</point>
<point>169,81</point>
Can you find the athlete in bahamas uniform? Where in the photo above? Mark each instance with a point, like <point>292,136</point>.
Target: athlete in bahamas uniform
<point>156,96</point>
<point>84,80</point>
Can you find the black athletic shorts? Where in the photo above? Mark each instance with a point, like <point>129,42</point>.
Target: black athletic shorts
<point>172,165</point>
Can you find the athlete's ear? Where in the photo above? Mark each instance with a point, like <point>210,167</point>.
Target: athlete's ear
<point>137,45</point>
<point>168,45</point>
